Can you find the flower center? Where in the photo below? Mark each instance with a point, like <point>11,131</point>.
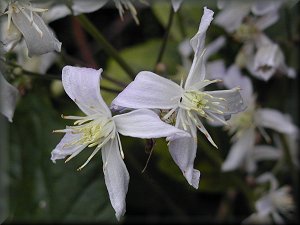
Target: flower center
<point>245,32</point>
<point>241,122</point>
<point>201,103</point>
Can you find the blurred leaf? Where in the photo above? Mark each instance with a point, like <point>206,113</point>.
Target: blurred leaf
<point>43,191</point>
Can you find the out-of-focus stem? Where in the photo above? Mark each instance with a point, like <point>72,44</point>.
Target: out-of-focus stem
<point>108,48</point>
<point>166,36</point>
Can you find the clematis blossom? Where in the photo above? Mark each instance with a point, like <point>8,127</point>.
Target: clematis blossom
<point>188,103</point>
<point>276,202</point>
<point>24,18</point>
<point>245,125</point>
<point>101,130</point>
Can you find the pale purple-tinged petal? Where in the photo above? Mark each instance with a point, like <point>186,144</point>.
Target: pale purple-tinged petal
<point>197,71</point>
<point>234,78</point>
<point>267,59</point>
<point>266,152</point>
<point>274,119</point>
<point>256,218</point>
<point>8,98</point>
<point>260,8</point>
<point>267,20</point>
<point>176,4</point>
<point>239,151</point>
<point>87,6</point>
<point>231,17</point>
<point>183,152</point>
<point>116,176</point>
<point>83,86</point>
<point>214,47</point>
<point>144,123</point>
<point>149,90</point>
<point>264,205</point>
<point>233,101</point>
<point>215,70</point>
<point>65,148</point>
<point>268,177</point>
<point>36,42</point>
<point>56,12</point>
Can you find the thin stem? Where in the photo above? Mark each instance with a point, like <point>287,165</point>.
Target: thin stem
<point>50,76</point>
<point>181,25</point>
<point>95,33</point>
<point>158,189</point>
<point>166,36</point>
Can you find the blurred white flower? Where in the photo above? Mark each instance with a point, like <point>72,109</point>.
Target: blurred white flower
<point>37,35</point>
<point>189,102</point>
<point>273,204</point>
<point>260,55</point>
<point>101,130</point>
<point>8,98</point>
<point>244,151</point>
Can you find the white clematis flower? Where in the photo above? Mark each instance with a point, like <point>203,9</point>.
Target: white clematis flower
<point>38,37</point>
<point>189,102</point>
<point>101,130</point>
<point>244,151</point>
<point>276,202</point>
<point>8,98</point>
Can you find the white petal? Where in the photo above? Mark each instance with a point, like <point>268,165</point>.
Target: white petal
<point>87,6</point>
<point>36,43</point>
<point>268,177</point>
<point>267,59</point>
<point>215,70</point>
<point>214,46</point>
<point>266,152</point>
<point>83,87</point>
<point>149,90</point>
<point>260,8</point>
<point>64,148</point>
<point>116,176</point>
<point>144,123</point>
<point>8,98</point>
<point>197,71</point>
<point>233,102</point>
<point>267,20</point>
<point>273,119</point>
<point>231,17</point>
<point>183,152</point>
<point>234,78</point>
<point>239,151</point>
<point>264,205</point>
<point>176,4</point>
<point>56,12</point>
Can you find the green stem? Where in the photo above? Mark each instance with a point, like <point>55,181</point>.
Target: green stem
<point>110,50</point>
<point>166,36</point>
<point>181,25</point>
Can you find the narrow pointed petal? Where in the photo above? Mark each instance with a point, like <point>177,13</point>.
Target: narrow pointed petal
<point>266,152</point>
<point>239,151</point>
<point>149,90</point>
<point>8,98</point>
<point>197,71</point>
<point>233,101</point>
<point>183,152</point>
<point>176,4</point>
<point>83,86</point>
<point>144,123</point>
<point>267,20</point>
<point>116,176</point>
<point>64,149</point>
<point>37,44</point>
<point>273,119</point>
<point>214,46</point>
